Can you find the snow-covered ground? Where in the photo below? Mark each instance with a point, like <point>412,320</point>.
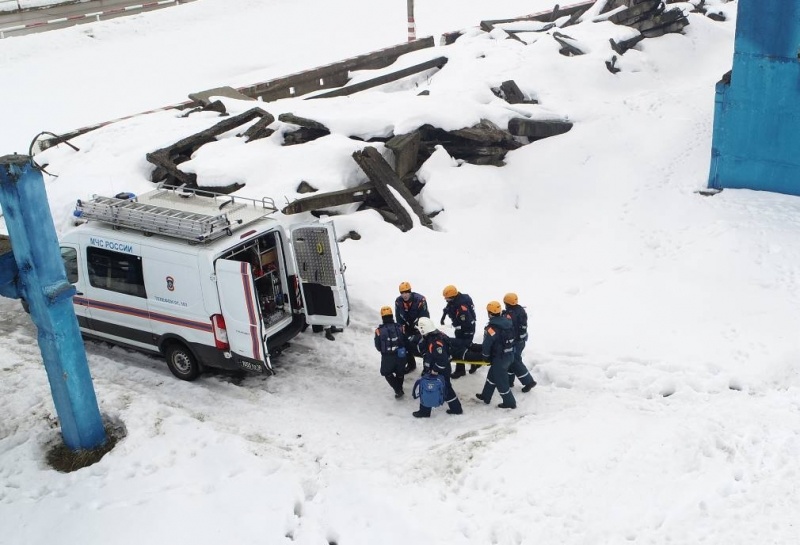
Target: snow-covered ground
<point>663,323</point>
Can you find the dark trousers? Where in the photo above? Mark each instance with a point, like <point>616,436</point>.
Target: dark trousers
<point>518,369</point>
<point>458,350</point>
<point>392,369</point>
<point>497,378</point>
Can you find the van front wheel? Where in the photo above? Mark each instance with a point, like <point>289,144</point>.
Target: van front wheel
<point>182,362</point>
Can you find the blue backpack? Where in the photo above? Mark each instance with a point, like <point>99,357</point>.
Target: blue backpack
<point>430,390</point>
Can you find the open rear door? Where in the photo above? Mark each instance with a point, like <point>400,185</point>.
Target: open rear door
<point>237,298</point>
<point>321,274</point>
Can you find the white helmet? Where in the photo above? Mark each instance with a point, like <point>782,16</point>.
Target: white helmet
<point>425,326</point>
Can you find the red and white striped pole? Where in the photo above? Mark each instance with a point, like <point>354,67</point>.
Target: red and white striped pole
<point>412,27</point>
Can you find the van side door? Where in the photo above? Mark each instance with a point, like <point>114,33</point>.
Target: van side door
<point>321,273</point>
<point>242,314</point>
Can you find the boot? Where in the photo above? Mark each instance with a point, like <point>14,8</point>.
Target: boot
<point>528,387</point>
<point>480,396</point>
<point>508,401</point>
<point>459,371</point>
<point>454,407</point>
<point>399,393</point>
<point>473,368</point>
<point>421,413</point>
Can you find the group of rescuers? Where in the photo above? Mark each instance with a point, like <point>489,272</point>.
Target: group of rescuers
<point>415,334</point>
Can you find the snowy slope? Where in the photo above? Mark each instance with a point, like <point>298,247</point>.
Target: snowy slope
<point>663,323</point>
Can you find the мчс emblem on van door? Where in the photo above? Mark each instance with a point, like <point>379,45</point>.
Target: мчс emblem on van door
<point>170,283</point>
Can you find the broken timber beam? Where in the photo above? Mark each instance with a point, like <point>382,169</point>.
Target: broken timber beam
<point>331,75</point>
<point>383,177</point>
<point>537,129</point>
<point>167,159</point>
<point>406,150</point>
<point>438,62</point>
<point>330,199</point>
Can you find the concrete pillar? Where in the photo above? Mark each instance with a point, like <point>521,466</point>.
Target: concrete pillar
<point>43,282</point>
<point>756,140</point>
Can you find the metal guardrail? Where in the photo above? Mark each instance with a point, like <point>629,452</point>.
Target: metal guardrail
<point>87,17</point>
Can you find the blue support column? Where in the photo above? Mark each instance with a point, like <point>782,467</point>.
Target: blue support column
<point>41,279</point>
<point>756,142</point>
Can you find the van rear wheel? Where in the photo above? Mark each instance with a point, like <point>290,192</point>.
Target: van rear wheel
<point>182,362</point>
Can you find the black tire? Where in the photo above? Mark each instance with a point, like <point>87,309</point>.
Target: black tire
<point>181,362</point>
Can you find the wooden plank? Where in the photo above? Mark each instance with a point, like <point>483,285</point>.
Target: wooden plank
<point>537,129</point>
<point>381,174</point>
<point>169,157</point>
<point>397,184</point>
<point>330,75</point>
<point>386,78</point>
<point>546,16</point>
<point>329,199</point>
<point>204,97</point>
<point>512,93</point>
<point>406,151</point>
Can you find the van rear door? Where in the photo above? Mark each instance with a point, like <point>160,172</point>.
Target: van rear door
<point>237,298</point>
<point>321,273</point>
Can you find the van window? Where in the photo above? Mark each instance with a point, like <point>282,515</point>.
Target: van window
<point>115,271</point>
<point>70,258</point>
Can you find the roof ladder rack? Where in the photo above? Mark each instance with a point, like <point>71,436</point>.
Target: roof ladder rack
<point>197,216</point>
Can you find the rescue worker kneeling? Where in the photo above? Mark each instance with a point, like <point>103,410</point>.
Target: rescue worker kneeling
<point>498,350</point>
<point>435,349</point>
<point>390,342</point>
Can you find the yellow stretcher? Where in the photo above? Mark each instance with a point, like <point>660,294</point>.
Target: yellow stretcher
<point>468,362</point>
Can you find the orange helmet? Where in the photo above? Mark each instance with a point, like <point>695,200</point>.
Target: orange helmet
<point>404,286</point>
<point>449,291</point>
<point>386,311</point>
<point>511,299</point>
<point>494,307</point>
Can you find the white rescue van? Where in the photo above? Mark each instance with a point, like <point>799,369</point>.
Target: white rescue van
<point>203,279</point>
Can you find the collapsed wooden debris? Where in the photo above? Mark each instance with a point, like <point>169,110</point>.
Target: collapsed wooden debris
<point>649,17</point>
<point>569,47</point>
<point>329,199</point>
<point>481,144</point>
<point>406,152</point>
<point>214,106</point>
<point>612,65</point>
<point>438,62</point>
<point>332,75</point>
<point>550,17</point>
<point>535,129</point>
<point>259,129</point>
<point>166,160</point>
<point>382,176</point>
<point>308,129</point>
<point>511,93</point>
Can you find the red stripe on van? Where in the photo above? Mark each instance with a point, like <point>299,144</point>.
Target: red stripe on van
<point>139,313</point>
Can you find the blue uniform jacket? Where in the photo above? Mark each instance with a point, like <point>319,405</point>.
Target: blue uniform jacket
<point>461,311</point>
<point>435,350</point>
<point>407,312</point>
<point>498,341</point>
<point>519,318</point>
